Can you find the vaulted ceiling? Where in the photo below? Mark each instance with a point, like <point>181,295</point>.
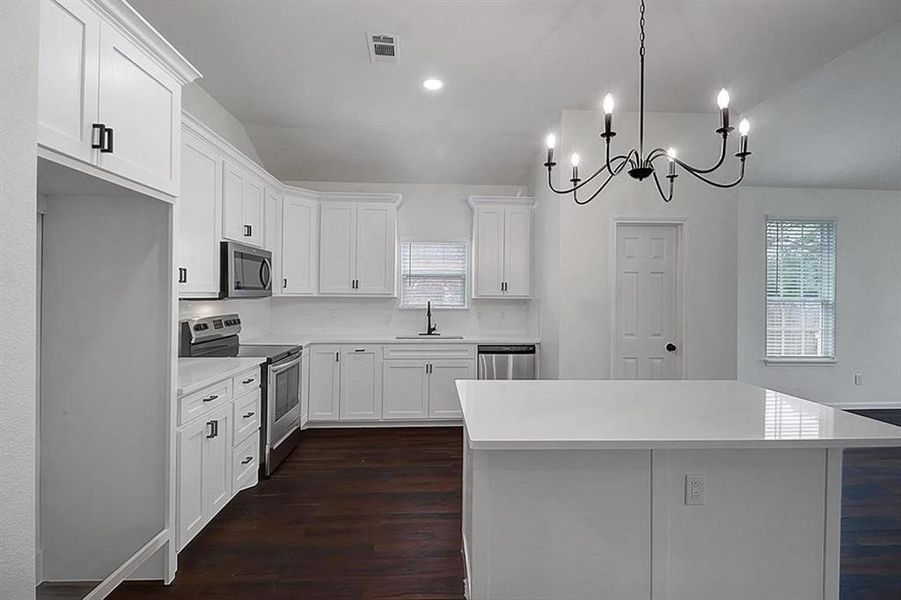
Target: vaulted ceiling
<point>297,73</point>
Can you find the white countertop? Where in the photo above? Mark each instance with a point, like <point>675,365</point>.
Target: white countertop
<point>656,415</point>
<point>197,373</point>
<point>306,339</point>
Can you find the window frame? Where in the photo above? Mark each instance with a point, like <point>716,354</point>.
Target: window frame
<point>814,361</point>
<point>467,275</point>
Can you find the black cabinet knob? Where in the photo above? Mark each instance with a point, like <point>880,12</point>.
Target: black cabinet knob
<point>671,347</point>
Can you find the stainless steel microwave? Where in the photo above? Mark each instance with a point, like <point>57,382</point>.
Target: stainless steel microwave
<point>246,271</point>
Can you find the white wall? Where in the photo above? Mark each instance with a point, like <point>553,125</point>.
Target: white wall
<point>255,313</point>
<point>18,130</point>
<point>198,103</point>
<point>868,294</point>
<point>546,269</point>
<point>709,254</point>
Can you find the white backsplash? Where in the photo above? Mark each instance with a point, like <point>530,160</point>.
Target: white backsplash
<point>255,313</point>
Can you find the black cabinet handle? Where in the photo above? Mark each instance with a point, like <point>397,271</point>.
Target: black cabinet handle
<point>336,356</point>
<point>246,381</point>
<point>248,415</point>
<point>210,398</point>
<point>248,230</point>
<point>285,282</point>
<point>214,429</point>
<point>97,140</point>
<point>182,275</point>
<point>108,137</point>
<point>246,460</point>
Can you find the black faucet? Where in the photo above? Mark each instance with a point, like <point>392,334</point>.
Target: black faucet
<point>430,329</point>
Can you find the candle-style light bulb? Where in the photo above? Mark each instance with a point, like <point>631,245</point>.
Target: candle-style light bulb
<point>574,159</point>
<point>608,104</point>
<point>671,155</point>
<point>608,117</point>
<point>551,141</point>
<point>722,99</point>
<point>744,127</point>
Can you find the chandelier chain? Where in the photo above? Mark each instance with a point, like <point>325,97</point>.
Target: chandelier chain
<point>641,30</point>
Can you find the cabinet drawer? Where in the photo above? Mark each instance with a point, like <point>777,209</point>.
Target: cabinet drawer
<point>246,464</point>
<point>193,405</point>
<point>429,351</point>
<point>247,416</point>
<point>246,381</point>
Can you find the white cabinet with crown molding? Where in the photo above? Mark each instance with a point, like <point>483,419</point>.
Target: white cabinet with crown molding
<point>502,247</point>
<point>299,244</point>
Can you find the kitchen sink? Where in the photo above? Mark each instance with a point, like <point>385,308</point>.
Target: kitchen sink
<point>429,337</point>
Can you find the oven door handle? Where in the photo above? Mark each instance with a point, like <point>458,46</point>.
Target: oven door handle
<point>284,367</point>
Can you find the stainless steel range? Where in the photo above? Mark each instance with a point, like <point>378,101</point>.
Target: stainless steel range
<point>217,336</point>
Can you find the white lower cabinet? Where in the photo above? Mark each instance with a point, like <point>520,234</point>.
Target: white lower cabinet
<point>392,382</point>
<point>361,383</point>
<point>218,449</point>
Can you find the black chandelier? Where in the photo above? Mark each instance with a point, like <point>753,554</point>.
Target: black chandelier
<point>640,165</point>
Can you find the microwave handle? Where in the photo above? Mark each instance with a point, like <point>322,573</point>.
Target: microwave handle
<point>265,273</point>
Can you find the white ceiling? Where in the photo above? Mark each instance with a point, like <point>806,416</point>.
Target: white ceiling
<point>298,75</point>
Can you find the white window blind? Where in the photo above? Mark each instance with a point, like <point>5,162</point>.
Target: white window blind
<point>433,271</point>
<point>800,288</point>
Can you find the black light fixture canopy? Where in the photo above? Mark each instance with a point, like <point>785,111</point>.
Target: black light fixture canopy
<point>641,165</point>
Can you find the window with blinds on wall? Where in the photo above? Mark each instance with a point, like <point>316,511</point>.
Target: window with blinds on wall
<point>433,271</point>
<point>800,288</point>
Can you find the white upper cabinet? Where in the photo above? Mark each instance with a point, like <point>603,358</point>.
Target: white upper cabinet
<point>358,244</point>
<point>109,93</point>
<point>197,237</point>
<point>242,206</point>
<point>502,247</point>
<point>272,216</point>
<point>67,77</point>
<point>299,252</point>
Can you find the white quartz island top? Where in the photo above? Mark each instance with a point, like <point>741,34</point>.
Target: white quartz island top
<point>197,373</point>
<point>656,415</point>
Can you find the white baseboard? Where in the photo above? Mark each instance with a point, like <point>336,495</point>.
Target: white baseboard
<point>131,565</point>
<point>377,424</point>
<point>39,567</point>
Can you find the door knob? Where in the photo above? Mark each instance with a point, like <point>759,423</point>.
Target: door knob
<point>671,347</point>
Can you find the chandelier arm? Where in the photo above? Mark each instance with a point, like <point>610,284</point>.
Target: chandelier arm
<point>663,196</point>
<point>584,182</point>
<point>596,192</point>
<point>741,176</point>
<point>718,164</point>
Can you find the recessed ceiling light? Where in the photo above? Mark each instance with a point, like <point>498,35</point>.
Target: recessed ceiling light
<point>432,84</point>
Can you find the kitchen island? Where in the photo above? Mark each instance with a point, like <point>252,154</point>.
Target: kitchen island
<point>653,489</point>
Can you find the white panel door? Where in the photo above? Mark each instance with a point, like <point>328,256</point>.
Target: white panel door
<point>647,344</point>
<point>375,249</point>
<point>141,104</point>
<point>405,389</point>
<point>300,232</point>
<point>337,248</point>
<point>67,77</point>
<point>253,211</point>
<point>197,243</point>
<point>216,481</point>
<point>190,480</point>
<point>361,383</point>
<point>233,203</point>
<point>324,382</point>
<point>489,251</point>
<point>518,251</point>
<point>444,403</point>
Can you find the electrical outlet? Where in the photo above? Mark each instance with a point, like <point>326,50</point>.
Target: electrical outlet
<point>858,379</point>
<point>694,489</point>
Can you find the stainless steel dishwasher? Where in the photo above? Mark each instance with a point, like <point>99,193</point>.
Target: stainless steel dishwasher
<point>507,361</point>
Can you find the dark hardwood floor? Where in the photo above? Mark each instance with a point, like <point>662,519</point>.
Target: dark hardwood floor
<point>375,513</point>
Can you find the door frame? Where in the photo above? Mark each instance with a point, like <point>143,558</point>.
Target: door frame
<point>680,223</point>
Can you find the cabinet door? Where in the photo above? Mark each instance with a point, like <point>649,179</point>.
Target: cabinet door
<point>69,39</point>
<point>444,403</point>
<point>376,248</point>
<point>272,216</point>
<point>324,382</point>
<point>300,232</point>
<point>489,251</point>
<point>337,247</point>
<point>518,251</point>
<point>216,481</point>
<point>361,383</point>
<point>233,203</point>
<point>197,242</point>
<point>253,211</point>
<point>141,103</point>
<point>190,481</point>
<point>404,389</point>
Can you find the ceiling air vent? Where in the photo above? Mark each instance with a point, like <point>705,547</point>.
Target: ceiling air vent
<point>382,47</point>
